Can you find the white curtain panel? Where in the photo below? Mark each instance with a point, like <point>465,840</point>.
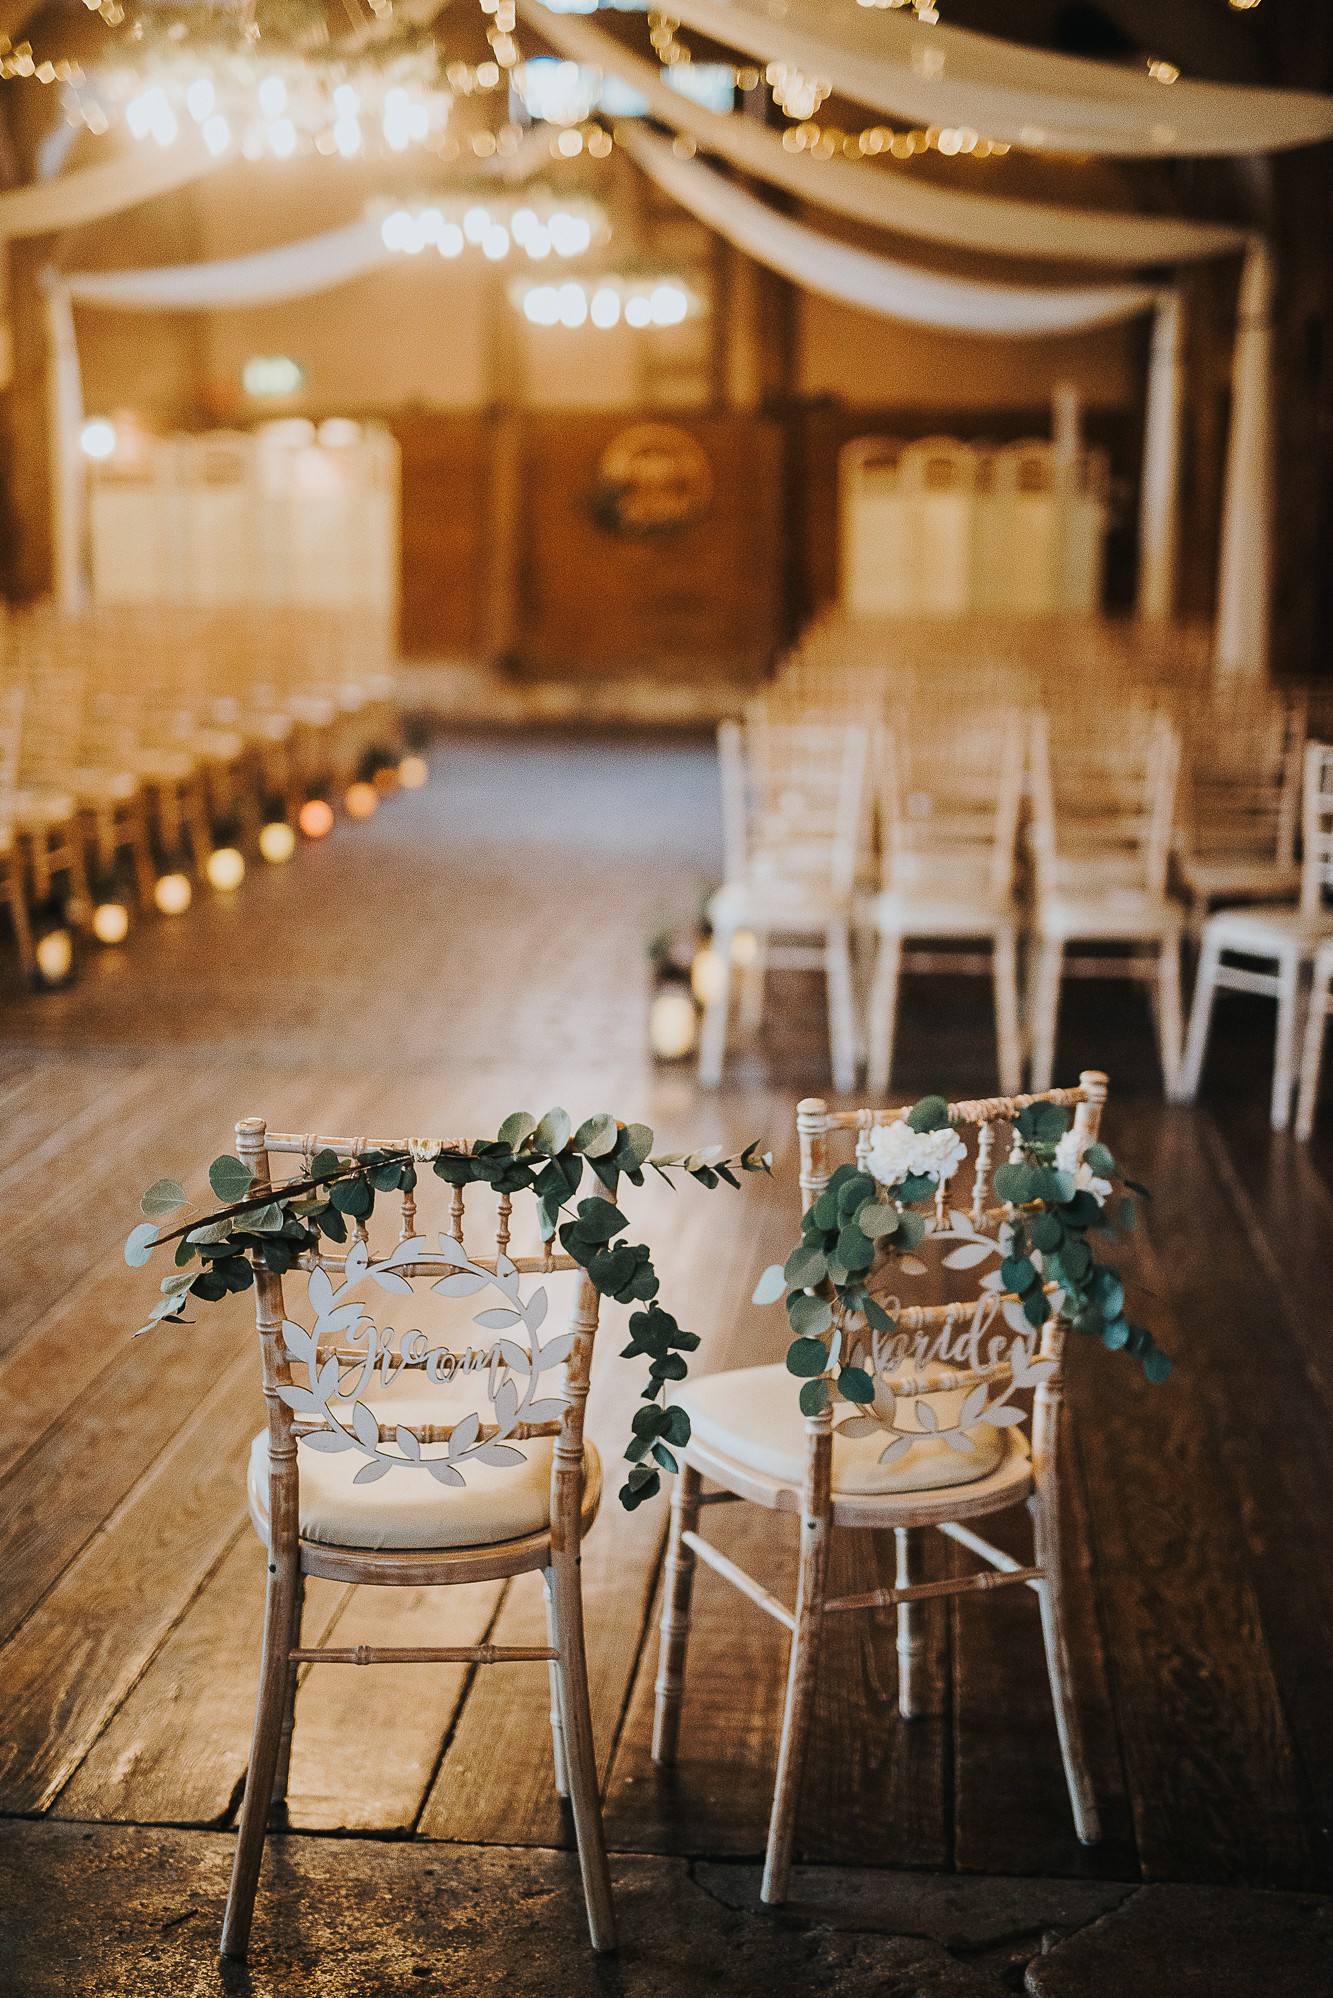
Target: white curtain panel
<point>91,193</point>
<point>887,198</point>
<point>292,270</point>
<point>859,277</point>
<point>940,75</point>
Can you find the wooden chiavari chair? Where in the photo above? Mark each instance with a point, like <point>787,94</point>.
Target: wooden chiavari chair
<point>794,808</point>
<point>1285,940</point>
<point>949,798</point>
<point>1243,764</point>
<point>1102,814</point>
<point>936,1376</point>
<point>403,1460</point>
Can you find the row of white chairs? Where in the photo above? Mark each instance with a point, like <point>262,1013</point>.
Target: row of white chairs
<point>904,836</point>
<point>140,733</point>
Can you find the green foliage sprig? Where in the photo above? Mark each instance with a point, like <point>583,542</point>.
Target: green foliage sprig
<point>545,1156</point>
<point>860,1228</point>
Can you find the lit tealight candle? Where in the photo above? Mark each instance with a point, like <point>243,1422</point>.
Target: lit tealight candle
<point>316,818</point>
<point>225,868</point>
<point>55,956</point>
<point>361,800</point>
<point>673,1024</point>
<point>173,894</point>
<point>111,922</point>
<point>413,772</point>
<point>277,842</point>
<point>708,975</point>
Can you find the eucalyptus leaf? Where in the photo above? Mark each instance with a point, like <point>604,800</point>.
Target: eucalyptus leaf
<point>805,1267</point>
<point>597,1136</point>
<point>139,1244</point>
<point>229,1179</point>
<point>516,1127</point>
<point>877,1219</point>
<point>771,1285</point>
<point>808,1314</point>
<point>552,1133</point>
<point>806,1357</point>
<point>163,1197</point>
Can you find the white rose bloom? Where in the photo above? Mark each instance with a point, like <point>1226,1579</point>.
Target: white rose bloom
<point>896,1151</point>
<point>1069,1158</point>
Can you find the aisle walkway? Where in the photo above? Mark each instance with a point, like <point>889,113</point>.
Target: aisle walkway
<point>480,947</point>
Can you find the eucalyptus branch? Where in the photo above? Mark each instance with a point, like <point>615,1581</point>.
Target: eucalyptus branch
<point>274,1228</point>
<point>865,1225</point>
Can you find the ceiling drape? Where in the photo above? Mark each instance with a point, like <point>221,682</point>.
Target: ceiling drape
<point>941,75</point>
<point>886,198</point>
<point>861,278</point>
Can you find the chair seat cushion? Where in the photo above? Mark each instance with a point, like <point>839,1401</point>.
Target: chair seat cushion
<point>408,1508</point>
<point>1240,875</point>
<point>939,913</point>
<point>752,1416</point>
<point>1268,932</point>
<point>39,811</point>
<point>1119,914</point>
<point>775,905</point>
<point>105,787</point>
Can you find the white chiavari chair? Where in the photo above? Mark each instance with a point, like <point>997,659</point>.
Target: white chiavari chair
<point>419,1459</point>
<point>949,798</point>
<point>1103,803</point>
<point>889,1466</point>
<point>794,811</point>
<point>1283,941</point>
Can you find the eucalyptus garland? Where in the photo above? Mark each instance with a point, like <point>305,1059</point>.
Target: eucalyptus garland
<point>218,1253</point>
<point>1061,1200</point>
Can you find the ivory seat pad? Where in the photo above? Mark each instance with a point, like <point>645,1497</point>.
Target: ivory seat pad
<point>1241,874</point>
<point>409,1508</point>
<point>752,1416</point>
<point>105,787</point>
<point>775,905</point>
<point>942,912</point>
<point>41,810</point>
<point>1115,913</point>
<point>1268,932</point>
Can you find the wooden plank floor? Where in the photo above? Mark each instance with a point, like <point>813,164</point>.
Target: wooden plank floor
<point>477,948</point>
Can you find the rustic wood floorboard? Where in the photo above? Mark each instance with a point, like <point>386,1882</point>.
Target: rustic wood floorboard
<point>480,947</point>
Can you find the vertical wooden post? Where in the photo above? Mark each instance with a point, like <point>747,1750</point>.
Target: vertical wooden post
<point>1158,493</point>
<point>30,495</point>
<point>500,617</point>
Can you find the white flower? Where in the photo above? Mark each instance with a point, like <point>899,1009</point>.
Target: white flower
<point>896,1151</point>
<point>425,1149</point>
<point>1069,1158</point>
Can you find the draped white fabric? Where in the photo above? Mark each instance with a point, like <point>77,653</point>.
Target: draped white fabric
<point>858,277</point>
<point>891,200</point>
<point>91,193</point>
<point>293,270</point>
<point>940,75</point>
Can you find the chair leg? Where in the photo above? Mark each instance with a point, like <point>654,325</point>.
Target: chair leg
<point>911,1630</point>
<point>17,889</point>
<point>580,1752</point>
<point>1284,1050</point>
<point>1044,1007</point>
<point>677,1596</point>
<point>1201,1014</point>
<point>282,1768</point>
<point>802,1666</point>
<point>713,1033</point>
<point>557,1720</point>
<point>1068,1720</point>
<point>1312,1053</point>
<point>141,852</point>
<point>264,1747</point>
<point>841,1011</point>
<point>1008,1036</point>
<point>883,1015</point>
<point>1168,1014</point>
<point>754,979</point>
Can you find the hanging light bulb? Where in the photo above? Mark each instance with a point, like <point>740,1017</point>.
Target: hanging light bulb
<point>315,818</point>
<point>277,841</point>
<point>173,894</point>
<point>225,868</point>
